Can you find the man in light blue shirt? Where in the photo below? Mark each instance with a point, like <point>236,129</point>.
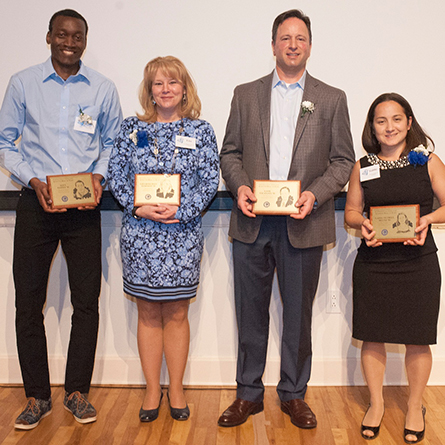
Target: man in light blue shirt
<point>45,105</point>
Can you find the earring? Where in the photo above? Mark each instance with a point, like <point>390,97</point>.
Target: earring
<point>153,102</point>
<point>184,98</point>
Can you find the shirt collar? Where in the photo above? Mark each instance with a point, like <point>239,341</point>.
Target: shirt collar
<point>276,81</point>
<point>50,73</point>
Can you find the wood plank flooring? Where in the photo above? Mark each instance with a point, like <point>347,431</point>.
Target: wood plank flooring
<point>339,412</point>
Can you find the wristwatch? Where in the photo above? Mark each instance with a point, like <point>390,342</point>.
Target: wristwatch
<point>133,214</point>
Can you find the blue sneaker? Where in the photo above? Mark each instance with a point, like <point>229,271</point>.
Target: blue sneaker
<point>80,408</point>
<point>34,412</point>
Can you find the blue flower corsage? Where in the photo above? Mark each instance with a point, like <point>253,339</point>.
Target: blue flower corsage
<point>418,155</point>
<point>140,138</point>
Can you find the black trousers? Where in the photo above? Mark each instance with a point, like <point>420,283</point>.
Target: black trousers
<point>298,273</point>
<point>37,236</point>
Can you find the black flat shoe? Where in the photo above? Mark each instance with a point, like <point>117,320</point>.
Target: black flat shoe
<point>148,415</point>
<point>179,413</point>
<point>373,429</point>
<point>419,434</point>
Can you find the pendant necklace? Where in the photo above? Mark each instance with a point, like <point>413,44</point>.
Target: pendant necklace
<point>157,151</point>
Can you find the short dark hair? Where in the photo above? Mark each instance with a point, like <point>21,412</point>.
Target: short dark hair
<point>416,135</point>
<point>287,15</point>
<point>67,13</point>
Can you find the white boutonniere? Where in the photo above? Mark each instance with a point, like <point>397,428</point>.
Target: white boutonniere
<point>84,119</point>
<point>307,107</point>
<point>421,149</point>
<point>134,136</point>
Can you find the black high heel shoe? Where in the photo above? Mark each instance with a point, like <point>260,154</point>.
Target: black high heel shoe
<point>373,429</point>
<point>419,434</point>
<point>148,415</point>
<point>179,413</point>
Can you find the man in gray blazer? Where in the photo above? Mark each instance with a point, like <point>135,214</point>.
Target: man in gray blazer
<point>284,126</point>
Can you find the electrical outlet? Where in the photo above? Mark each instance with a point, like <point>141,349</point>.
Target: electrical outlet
<point>333,301</point>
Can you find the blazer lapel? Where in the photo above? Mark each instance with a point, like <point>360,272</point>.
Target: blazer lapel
<point>264,94</point>
<point>309,94</point>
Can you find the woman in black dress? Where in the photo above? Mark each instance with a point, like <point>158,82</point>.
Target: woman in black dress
<point>396,285</point>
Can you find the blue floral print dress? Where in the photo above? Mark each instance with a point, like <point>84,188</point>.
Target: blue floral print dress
<point>161,262</point>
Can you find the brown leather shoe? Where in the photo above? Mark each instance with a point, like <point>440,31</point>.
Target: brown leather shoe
<point>239,411</point>
<point>300,413</point>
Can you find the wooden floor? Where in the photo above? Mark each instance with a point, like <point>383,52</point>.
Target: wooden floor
<point>339,412</point>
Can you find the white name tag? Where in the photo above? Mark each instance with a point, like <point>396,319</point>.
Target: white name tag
<point>368,173</point>
<point>85,127</point>
<point>185,142</point>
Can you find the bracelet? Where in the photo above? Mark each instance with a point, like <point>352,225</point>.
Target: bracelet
<point>133,214</point>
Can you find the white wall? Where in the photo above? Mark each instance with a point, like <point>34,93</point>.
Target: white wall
<point>212,316</point>
<point>363,47</point>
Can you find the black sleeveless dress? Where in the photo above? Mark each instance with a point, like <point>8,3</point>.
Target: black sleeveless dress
<point>396,288</point>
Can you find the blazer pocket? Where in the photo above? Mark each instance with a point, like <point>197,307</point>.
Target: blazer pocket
<point>318,122</point>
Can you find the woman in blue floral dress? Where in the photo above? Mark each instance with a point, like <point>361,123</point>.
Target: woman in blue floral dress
<point>162,244</point>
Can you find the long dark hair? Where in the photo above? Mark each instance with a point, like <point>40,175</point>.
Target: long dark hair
<point>415,137</point>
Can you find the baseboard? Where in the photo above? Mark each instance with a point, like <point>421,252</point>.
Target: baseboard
<point>221,372</point>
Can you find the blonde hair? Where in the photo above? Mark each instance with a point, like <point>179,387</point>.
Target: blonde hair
<point>173,67</point>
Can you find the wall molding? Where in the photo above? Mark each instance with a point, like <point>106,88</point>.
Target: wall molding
<point>222,201</point>
<point>213,372</point>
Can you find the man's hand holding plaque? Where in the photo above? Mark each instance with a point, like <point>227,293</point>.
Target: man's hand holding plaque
<point>69,191</point>
<point>276,197</point>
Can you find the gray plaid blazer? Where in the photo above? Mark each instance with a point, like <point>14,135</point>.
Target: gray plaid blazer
<point>323,156</point>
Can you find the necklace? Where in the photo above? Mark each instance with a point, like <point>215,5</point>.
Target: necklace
<point>388,165</point>
<point>157,151</point>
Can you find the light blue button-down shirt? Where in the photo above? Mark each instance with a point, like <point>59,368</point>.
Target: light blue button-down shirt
<point>42,108</point>
<point>284,110</point>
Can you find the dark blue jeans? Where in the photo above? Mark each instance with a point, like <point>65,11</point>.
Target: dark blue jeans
<point>37,236</point>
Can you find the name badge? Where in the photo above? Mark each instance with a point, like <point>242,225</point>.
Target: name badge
<point>85,125</point>
<point>185,142</point>
<point>368,173</point>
